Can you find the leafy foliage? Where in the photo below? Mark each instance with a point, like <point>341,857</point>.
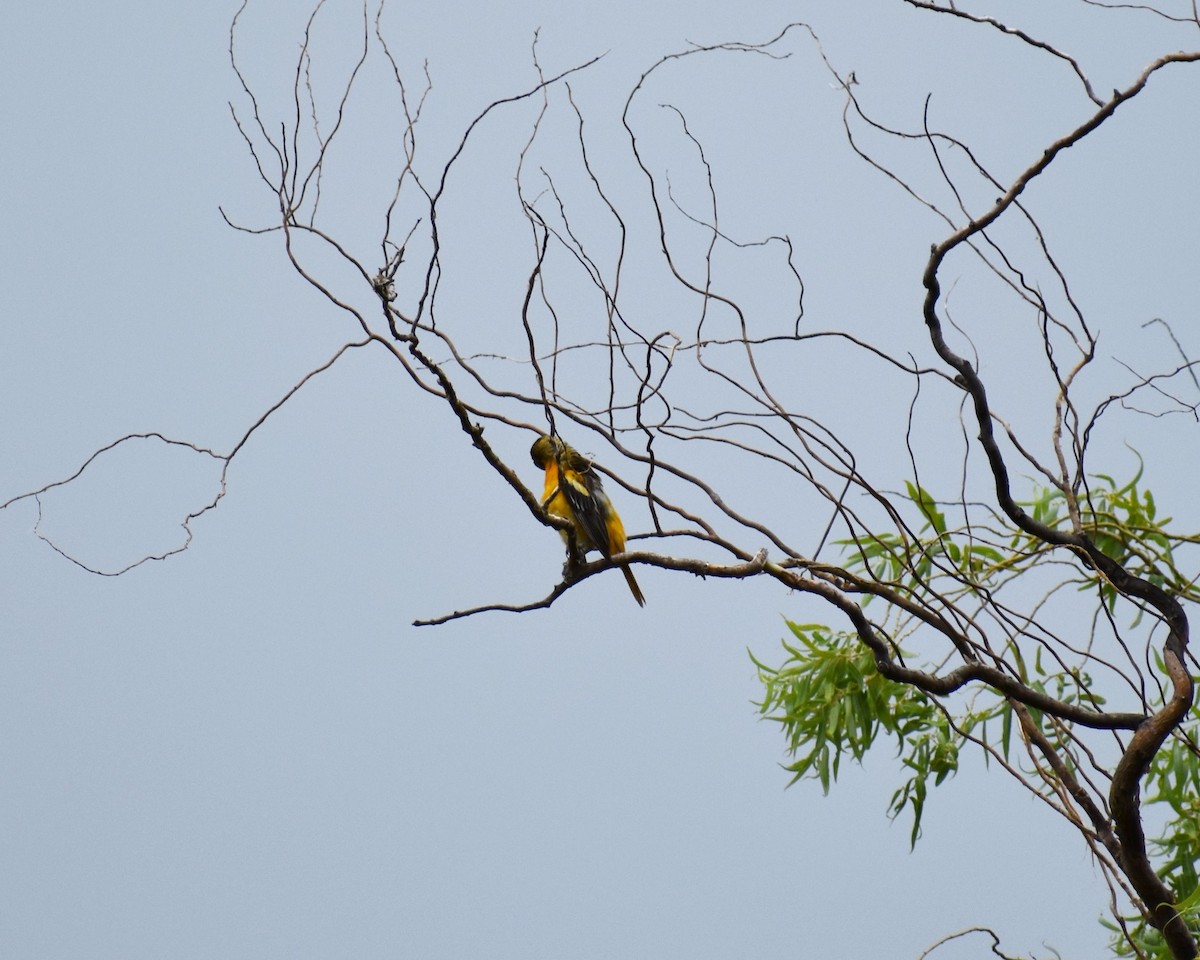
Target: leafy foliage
<point>832,702</point>
<point>1123,522</point>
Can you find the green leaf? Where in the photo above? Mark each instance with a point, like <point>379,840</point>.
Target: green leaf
<point>832,703</point>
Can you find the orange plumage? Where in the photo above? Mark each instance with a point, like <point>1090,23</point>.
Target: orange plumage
<point>574,492</point>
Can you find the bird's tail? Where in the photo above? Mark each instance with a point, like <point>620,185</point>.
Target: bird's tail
<point>633,586</point>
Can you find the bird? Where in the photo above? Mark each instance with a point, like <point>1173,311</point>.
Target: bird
<point>574,492</point>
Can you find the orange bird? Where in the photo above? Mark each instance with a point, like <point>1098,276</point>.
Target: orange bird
<point>574,492</point>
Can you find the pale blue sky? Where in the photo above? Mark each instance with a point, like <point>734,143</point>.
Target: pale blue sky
<point>246,751</point>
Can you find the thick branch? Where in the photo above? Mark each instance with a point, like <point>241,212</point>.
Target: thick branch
<point>1150,733</point>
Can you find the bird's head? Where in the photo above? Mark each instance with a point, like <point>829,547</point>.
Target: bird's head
<point>545,450</point>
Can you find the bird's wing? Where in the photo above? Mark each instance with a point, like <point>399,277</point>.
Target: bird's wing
<point>590,505</point>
